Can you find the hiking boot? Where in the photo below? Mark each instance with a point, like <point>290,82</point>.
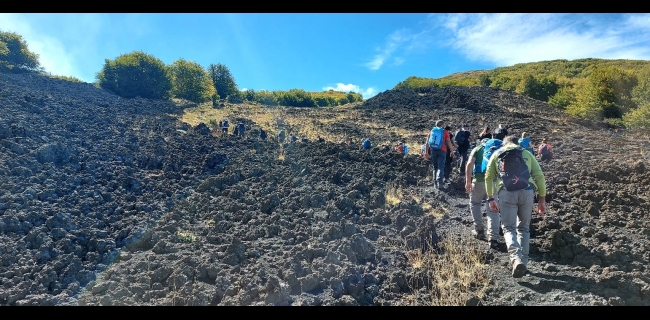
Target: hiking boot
<point>480,234</point>
<point>518,269</point>
<point>494,245</point>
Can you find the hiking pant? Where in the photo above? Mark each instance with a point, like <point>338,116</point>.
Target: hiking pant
<point>438,159</point>
<point>476,198</point>
<point>448,163</point>
<point>463,155</point>
<point>516,208</point>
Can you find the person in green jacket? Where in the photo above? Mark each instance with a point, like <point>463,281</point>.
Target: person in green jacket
<point>516,206</point>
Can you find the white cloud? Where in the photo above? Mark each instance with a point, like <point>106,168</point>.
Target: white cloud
<point>507,39</point>
<point>393,42</point>
<point>365,93</point>
<point>398,61</point>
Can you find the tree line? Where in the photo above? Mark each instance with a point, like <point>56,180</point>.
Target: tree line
<point>613,91</point>
<point>138,74</point>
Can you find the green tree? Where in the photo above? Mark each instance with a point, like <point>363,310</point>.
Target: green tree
<point>266,98</point>
<point>15,56</point>
<point>641,92</point>
<point>223,80</point>
<point>191,81</point>
<point>639,118</point>
<point>136,74</point>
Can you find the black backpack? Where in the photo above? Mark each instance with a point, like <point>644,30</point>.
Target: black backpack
<point>513,169</point>
<point>462,138</point>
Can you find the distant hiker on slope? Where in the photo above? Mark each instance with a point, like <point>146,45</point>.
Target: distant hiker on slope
<point>519,178</point>
<point>438,143</point>
<point>262,134</point>
<point>544,151</point>
<point>525,143</point>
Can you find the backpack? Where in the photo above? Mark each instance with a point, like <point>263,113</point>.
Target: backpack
<point>225,123</point>
<point>366,144</point>
<point>406,149</point>
<point>524,143</point>
<point>435,139</point>
<point>543,150</point>
<point>488,149</point>
<point>462,138</point>
<point>513,169</point>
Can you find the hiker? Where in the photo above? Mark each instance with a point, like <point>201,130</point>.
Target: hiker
<point>405,149</point>
<point>281,136</point>
<point>475,186</point>
<point>365,144</point>
<point>400,147</point>
<point>485,134</point>
<point>320,139</point>
<point>262,134</point>
<point>235,132</point>
<point>544,151</point>
<point>224,127</point>
<point>304,140</point>
<point>525,143</point>
<point>293,138</point>
<point>519,178</point>
<point>242,129</point>
<point>501,132</point>
<point>349,141</point>
<point>450,155</point>
<point>438,143</point>
<point>463,138</point>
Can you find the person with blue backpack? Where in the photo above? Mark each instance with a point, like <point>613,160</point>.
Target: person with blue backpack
<point>475,185</point>
<point>519,176</point>
<point>438,143</point>
<point>525,143</point>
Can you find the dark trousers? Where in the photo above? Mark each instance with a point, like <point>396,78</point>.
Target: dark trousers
<point>439,160</point>
<point>463,155</point>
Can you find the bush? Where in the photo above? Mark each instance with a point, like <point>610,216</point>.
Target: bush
<point>136,74</point>
<point>639,118</point>
<point>191,81</point>
<point>15,57</point>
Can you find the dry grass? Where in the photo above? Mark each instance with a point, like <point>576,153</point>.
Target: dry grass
<point>393,194</point>
<point>455,270</point>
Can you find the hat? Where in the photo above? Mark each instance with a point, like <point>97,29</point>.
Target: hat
<point>466,125</point>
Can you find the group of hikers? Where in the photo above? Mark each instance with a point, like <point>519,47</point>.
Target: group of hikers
<point>502,170</point>
<point>239,130</point>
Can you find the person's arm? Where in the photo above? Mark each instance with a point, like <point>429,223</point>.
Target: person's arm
<point>540,181</point>
<point>490,175</point>
<point>468,171</point>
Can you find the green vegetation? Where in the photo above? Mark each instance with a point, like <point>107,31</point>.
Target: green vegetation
<point>15,57</point>
<point>191,81</point>
<point>136,74</point>
<point>301,98</point>
<point>613,91</point>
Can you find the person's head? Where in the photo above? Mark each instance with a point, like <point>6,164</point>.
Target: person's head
<point>486,129</point>
<point>500,126</point>
<point>440,123</point>
<point>466,127</point>
<point>523,134</point>
<point>544,140</point>
<point>448,128</point>
<point>511,139</point>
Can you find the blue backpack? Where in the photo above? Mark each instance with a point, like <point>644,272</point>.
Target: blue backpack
<point>366,144</point>
<point>489,148</point>
<point>435,139</point>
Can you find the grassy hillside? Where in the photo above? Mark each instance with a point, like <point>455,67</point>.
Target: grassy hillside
<point>615,91</point>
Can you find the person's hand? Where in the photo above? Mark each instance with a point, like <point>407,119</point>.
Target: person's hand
<point>541,206</point>
<point>494,206</point>
<point>468,186</point>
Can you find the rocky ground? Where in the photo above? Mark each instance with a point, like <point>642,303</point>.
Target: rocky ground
<point>111,201</point>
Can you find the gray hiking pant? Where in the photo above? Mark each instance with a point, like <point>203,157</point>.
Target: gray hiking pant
<point>516,208</point>
<point>476,198</point>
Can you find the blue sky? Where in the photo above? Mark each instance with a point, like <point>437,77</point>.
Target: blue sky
<point>366,53</point>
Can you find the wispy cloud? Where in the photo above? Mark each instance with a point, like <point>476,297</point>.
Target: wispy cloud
<point>365,93</point>
<point>507,39</point>
<point>394,41</point>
